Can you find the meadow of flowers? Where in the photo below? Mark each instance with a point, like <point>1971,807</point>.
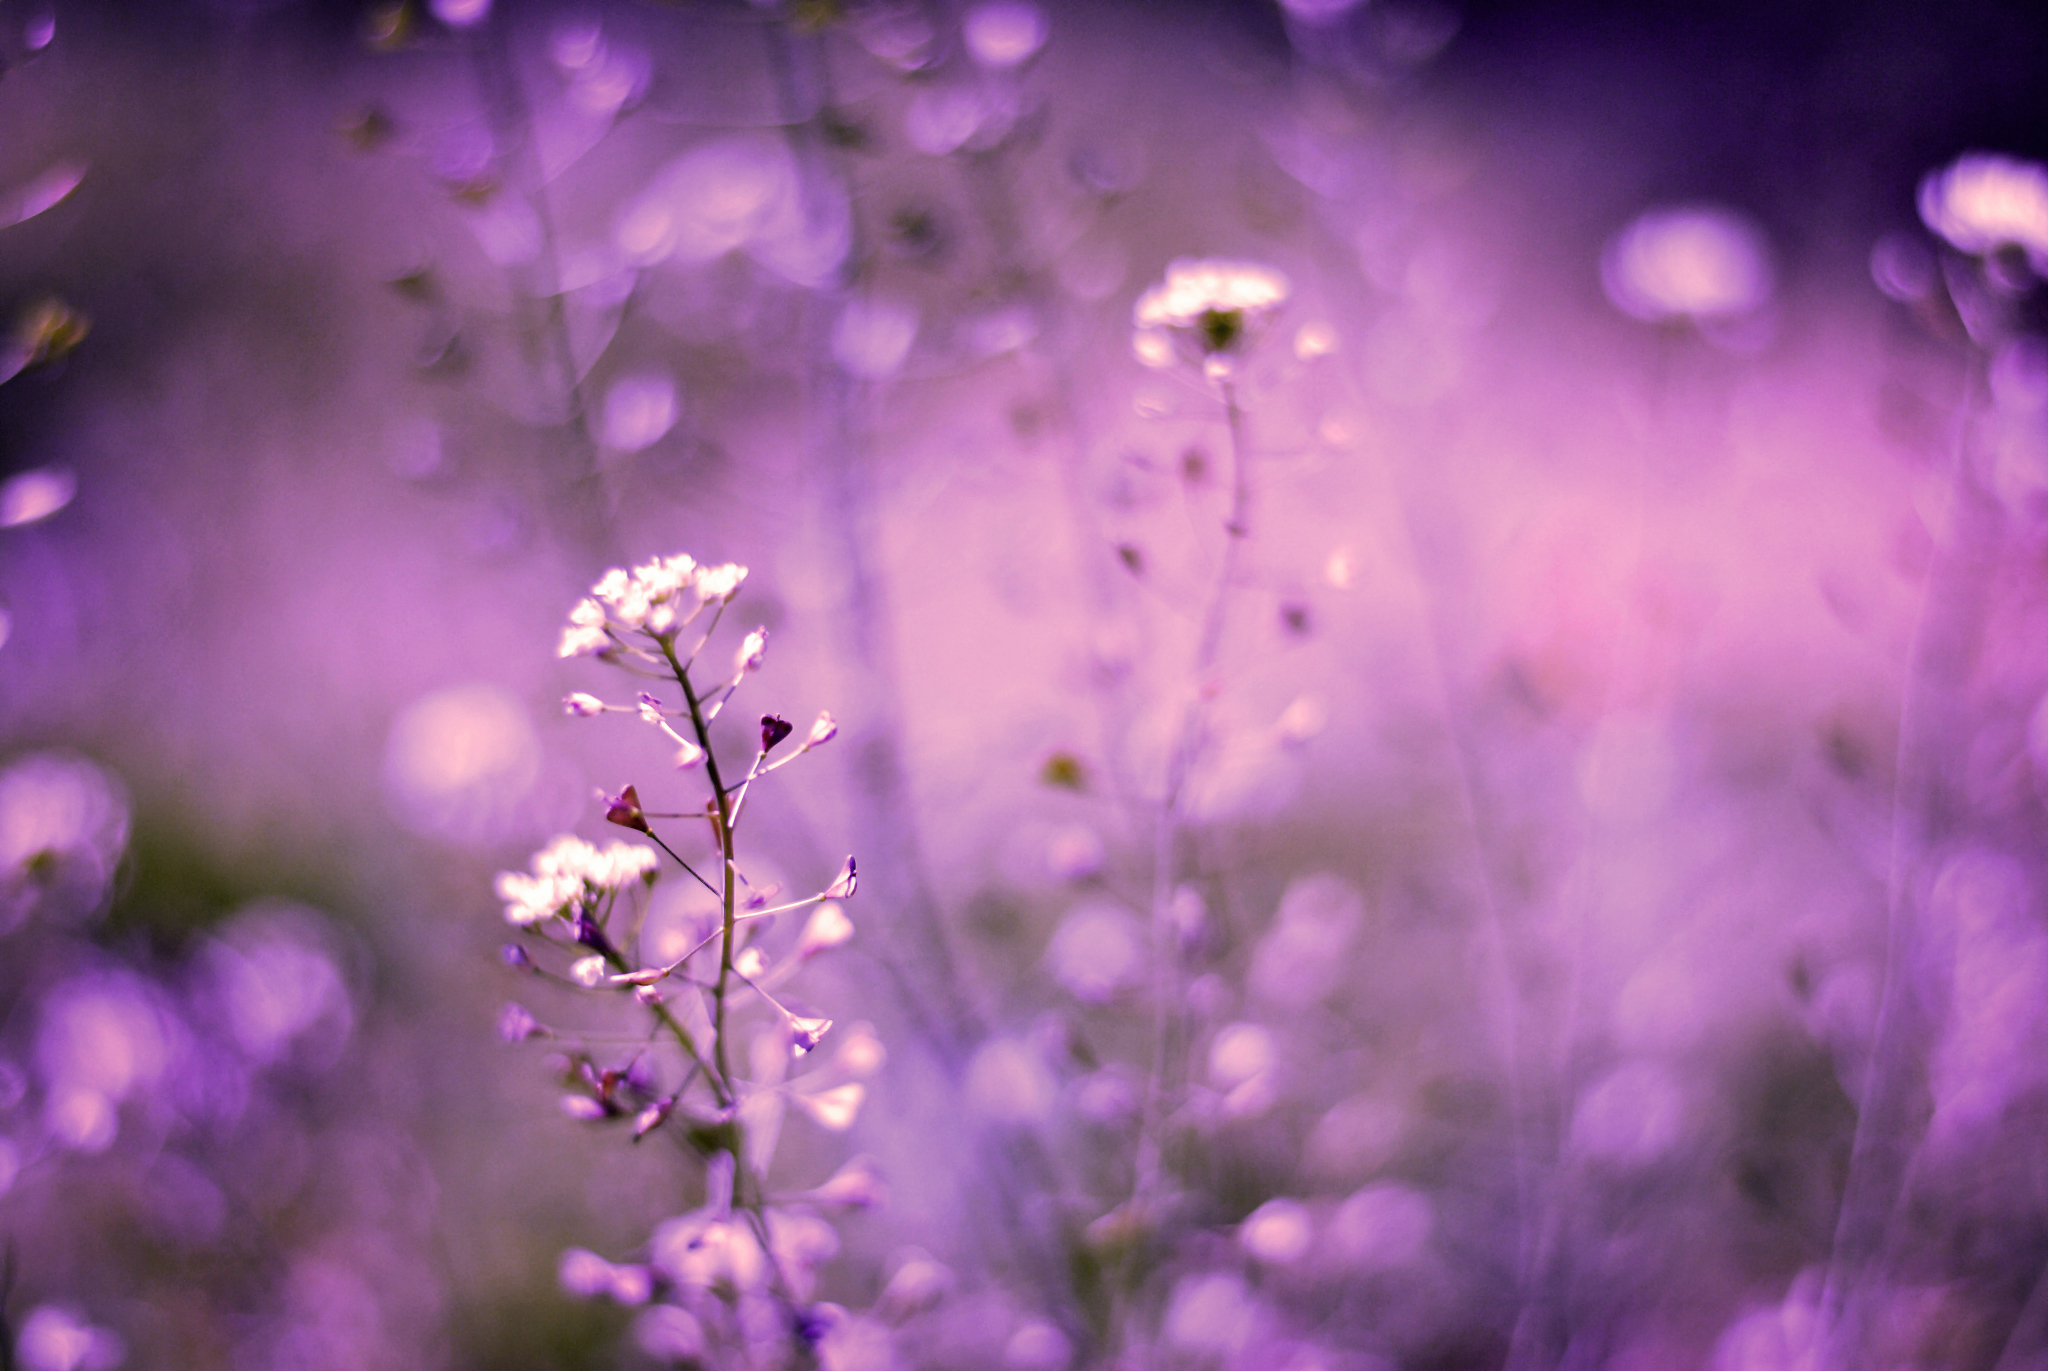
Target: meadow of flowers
<point>1303,686</point>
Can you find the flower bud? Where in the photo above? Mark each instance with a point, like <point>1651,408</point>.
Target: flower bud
<point>751,651</point>
<point>624,810</point>
<point>823,731</point>
<point>581,706</point>
<point>774,729</point>
<point>843,884</point>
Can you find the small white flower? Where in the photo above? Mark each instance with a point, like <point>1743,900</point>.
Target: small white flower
<point>587,971</point>
<point>1209,304</point>
<point>834,1109</point>
<point>1983,201</point>
<point>657,598</point>
<point>844,884</point>
<point>688,755</point>
<point>828,927</point>
<point>568,870</point>
<point>748,658</point>
<point>581,706</point>
<point>823,731</point>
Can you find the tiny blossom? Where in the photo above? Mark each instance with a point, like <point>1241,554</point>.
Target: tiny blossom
<point>658,599</point>
<point>750,963</point>
<point>806,1034</point>
<point>823,731</point>
<point>516,1025</point>
<point>1214,304</point>
<point>836,1108</point>
<point>587,971</point>
<point>751,652</point>
<point>844,884</point>
<point>1983,201</point>
<point>581,706</point>
<point>565,872</point>
<point>688,755</point>
<point>582,1107</point>
<point>858,1185</point>
<point>828,927</point>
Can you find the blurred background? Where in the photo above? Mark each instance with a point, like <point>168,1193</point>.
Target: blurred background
<point>1615,929</point>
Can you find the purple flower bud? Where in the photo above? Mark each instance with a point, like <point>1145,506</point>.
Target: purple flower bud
<point>624,810</point>
<point>515,957</point>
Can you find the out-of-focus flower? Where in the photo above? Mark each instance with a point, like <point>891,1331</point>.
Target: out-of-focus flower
<point>462,762</point>
<point>1009,1082</point>
<point>568,871</point>
<point>1302,958</point>
<point>1698,262</point>
<point>1003,33</point>
<point>827,927</point>
<point>667,1333</point>
<point>1212,1314</point>
<point>1099,949</point>
<point>639,410</point>
<point>1204,307</point>
<point>1037,1345</point>
<point>591,1276</point>
<point>858,1185</point>
<point>103,1038</point>
<point>918,1283</point>
<point>1279,1232</point>
<point>35,495</point>
<point>55,1339</point>
<point>1384,1226</point>
<point>63,827</point>
<point>1983,201</point>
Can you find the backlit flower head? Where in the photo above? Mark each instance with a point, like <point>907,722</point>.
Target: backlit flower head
<point>1206,306</point>
<point>1982,202</point>
<point>566,872</point>
<point>657,599</point>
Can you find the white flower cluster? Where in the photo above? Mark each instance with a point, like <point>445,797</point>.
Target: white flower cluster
<point>568,870</point>
<point>657,599</point>
<point>1983,201</point>
<point>1211,303</point>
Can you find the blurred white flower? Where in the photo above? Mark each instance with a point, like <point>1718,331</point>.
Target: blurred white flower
<point>1698,262</point>
<point>639,410</point>
<point>55,1339</point>
<point>1302,957</point>
<point>1983,201</point>
<point>1003,33</point>
<point>1009,1082</point>
<point>461,762</point>
<point>1279,1232</point>
<point>1211,1314</point>
<point>1207,306</point>
<point>667,1333</point>
<point>63,828</point>
<point>35,495</point>
<point>1382,1227</point>
<point>566,872</point>
<point>1098,949</point>
<point>873,337</point>
<point>1038,1346</point>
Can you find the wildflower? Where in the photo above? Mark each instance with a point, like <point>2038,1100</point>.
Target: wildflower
<point>624,810</point>
<point>1983,202</point>
<point>657,599</point>
<point>1698,262</point>
<point>1209,304</point>
<point>567,872</point>
<point>578,705</point>
<point>748,658</point>
<point>827,927</point>
<point>823,731</point>
<point>844,884</point>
